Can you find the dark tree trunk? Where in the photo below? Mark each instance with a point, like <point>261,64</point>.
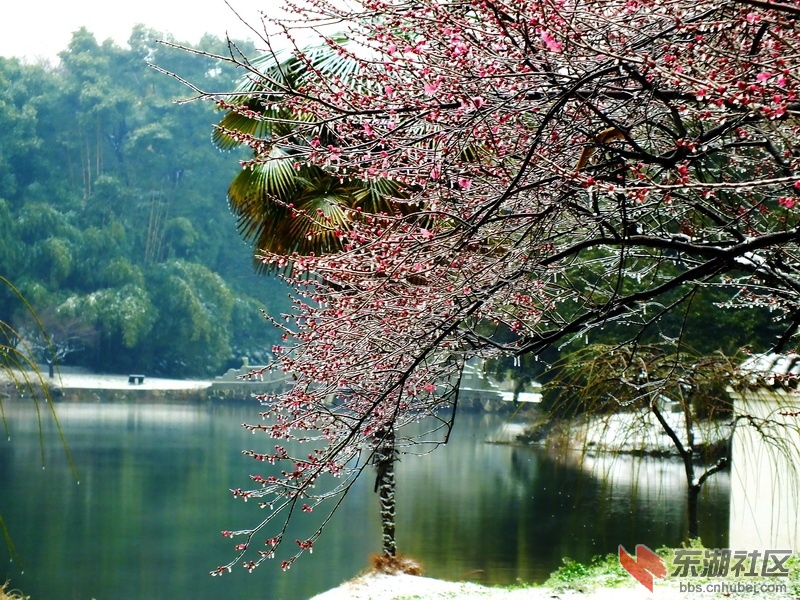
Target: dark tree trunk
<point>384,459</point>
<point>685,452</point>
<point>693,497</point>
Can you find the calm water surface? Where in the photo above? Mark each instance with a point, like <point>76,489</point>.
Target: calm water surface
<point>153,496</point>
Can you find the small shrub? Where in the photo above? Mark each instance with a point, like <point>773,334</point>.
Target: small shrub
<point>602,571</point>
<point>393,565</point>
<point>6,594</point>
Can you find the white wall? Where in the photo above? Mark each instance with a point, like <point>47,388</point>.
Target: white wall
<point>765,474</point>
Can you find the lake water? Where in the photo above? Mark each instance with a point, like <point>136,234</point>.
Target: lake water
<point>153,496</point>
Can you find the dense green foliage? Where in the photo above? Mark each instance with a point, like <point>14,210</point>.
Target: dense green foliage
<point>113,213</point>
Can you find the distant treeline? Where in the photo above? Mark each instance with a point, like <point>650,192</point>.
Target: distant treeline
<point>114,222</point>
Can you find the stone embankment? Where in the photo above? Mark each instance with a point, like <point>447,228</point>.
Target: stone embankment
<point>71,384</point>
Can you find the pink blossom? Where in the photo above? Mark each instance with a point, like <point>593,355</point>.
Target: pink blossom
<point>763,76</point>
<point>552,44</point>
<point>430,88</point>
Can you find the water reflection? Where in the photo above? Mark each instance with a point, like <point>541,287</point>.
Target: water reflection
<point>512,513</point>
<point>144,520</point>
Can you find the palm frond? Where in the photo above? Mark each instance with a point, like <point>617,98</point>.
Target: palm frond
<point>379,195</point>
<point>324,202</point>
<point>275,177</point>
<point>266,123</point>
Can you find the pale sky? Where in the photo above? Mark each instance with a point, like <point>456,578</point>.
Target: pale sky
<point>34,29</point>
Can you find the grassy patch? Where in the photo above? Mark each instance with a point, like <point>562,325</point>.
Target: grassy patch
<point>602,571</point>
<point>606,572</point>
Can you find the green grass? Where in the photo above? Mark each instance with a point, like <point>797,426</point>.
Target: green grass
<point>602,571</point>
<point>606,572</point>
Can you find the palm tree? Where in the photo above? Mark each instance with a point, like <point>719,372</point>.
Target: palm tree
<point>268,195</point>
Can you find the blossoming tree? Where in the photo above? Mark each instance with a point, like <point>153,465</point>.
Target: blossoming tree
<point>569,165</point>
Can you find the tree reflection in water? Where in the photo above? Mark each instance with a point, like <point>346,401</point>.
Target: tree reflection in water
<point>152,500</point>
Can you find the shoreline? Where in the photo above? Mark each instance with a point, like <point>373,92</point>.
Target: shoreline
<point>74,384</point>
